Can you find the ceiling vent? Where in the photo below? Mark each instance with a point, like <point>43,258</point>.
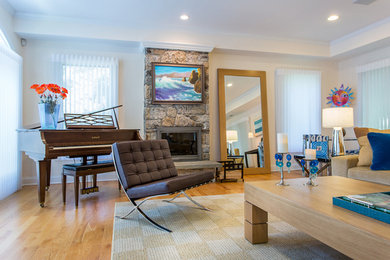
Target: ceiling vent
<point>363,2</point>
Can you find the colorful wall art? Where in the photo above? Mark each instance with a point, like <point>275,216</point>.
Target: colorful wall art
<point>177,83</point>
<point>341,97</point>
<point>258,126</point>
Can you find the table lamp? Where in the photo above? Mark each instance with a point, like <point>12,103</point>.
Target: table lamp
<point>337,118</point>
<point>231,137</point>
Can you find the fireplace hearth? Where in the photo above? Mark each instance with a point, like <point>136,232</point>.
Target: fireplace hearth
<point>184,142</point>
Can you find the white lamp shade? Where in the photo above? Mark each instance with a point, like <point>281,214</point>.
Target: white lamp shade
<point>337,117</point>
<point>231,136</point>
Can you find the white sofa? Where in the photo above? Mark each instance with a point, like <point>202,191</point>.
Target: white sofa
<point>346,166</point>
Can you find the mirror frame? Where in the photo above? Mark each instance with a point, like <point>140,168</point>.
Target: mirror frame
<point>222,114</point>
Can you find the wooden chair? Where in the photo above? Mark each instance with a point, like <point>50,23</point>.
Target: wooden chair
<point>238,159</point>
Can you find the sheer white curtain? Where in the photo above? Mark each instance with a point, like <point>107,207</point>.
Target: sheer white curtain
<point>298,104</point>
<point>10,115</point>
<point>92,81</point>
<point>373,94</point>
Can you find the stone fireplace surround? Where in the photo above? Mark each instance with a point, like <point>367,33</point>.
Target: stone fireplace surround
<point>177,115</point>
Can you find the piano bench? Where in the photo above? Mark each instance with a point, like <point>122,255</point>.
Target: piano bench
<point>82,170</point>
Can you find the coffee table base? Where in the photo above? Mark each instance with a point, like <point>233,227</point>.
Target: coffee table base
<point>256,226</point>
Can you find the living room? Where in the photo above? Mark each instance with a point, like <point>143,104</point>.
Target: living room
<point>263,75</point>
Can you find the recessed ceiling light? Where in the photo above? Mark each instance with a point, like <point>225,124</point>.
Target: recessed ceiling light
<point>229,85</point>
<point>333,17</point>
<point>184,17</point>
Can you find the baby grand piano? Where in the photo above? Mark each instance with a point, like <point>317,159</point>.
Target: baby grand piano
<point>44,145</point>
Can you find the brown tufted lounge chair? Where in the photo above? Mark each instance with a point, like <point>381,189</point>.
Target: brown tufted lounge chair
<point>145,169</point>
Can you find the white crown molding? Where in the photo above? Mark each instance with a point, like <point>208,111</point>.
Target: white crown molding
<point>38,25</point>
<point>25,24</point>
<point>177,46</point>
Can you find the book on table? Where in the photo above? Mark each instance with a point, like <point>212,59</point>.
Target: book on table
<point>374,205</point>
<point>380,200</point>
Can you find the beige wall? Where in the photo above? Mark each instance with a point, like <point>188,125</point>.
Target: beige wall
<point>37,68</point>
<point>268,63</point>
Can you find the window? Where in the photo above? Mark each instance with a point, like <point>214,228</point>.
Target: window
<point>92,82</point>
<point>298,104</point>
<point>373,94</point>
<point>10,115</point>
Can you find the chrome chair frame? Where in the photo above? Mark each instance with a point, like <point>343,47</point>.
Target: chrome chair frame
<point>137,206</point>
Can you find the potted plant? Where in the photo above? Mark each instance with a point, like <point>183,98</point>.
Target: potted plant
<point>50,96</point>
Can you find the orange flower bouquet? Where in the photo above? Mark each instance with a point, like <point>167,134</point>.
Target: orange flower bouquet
<point>49,93</point>
<point>50,101</point>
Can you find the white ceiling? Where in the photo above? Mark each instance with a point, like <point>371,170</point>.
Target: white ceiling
<point>286,19</point>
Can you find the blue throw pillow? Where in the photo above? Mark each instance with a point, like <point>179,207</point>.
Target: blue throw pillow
<point>380,144</point>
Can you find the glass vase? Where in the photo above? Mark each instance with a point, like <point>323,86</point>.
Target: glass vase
<point>48,115</point>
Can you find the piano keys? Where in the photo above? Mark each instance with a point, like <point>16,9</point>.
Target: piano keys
<point>44,145</point>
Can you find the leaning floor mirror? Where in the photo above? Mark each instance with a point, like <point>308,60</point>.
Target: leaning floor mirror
<point>243,119</point>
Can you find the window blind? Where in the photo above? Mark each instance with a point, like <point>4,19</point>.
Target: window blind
<point>298,104</point>
<point>10,115</point>
<point>92,81</point>
<point>373,94</point>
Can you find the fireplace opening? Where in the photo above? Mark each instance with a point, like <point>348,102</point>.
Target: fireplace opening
<point>184,142</point>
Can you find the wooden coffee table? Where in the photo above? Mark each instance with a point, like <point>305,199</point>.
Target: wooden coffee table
<point>310,210</point>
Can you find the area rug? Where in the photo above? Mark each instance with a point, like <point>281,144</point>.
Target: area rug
<point>199,234</point>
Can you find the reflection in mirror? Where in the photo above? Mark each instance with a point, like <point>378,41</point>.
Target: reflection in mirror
<point>244,121</point>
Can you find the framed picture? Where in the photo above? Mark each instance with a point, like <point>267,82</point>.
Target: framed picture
<point>257,126</point>
<point>177,83</point>
<point>322,149</point>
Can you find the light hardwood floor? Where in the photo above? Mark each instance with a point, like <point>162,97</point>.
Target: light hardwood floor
<point>59,231</point>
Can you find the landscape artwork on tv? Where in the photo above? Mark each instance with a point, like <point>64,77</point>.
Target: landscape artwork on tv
<point>177,83</point>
